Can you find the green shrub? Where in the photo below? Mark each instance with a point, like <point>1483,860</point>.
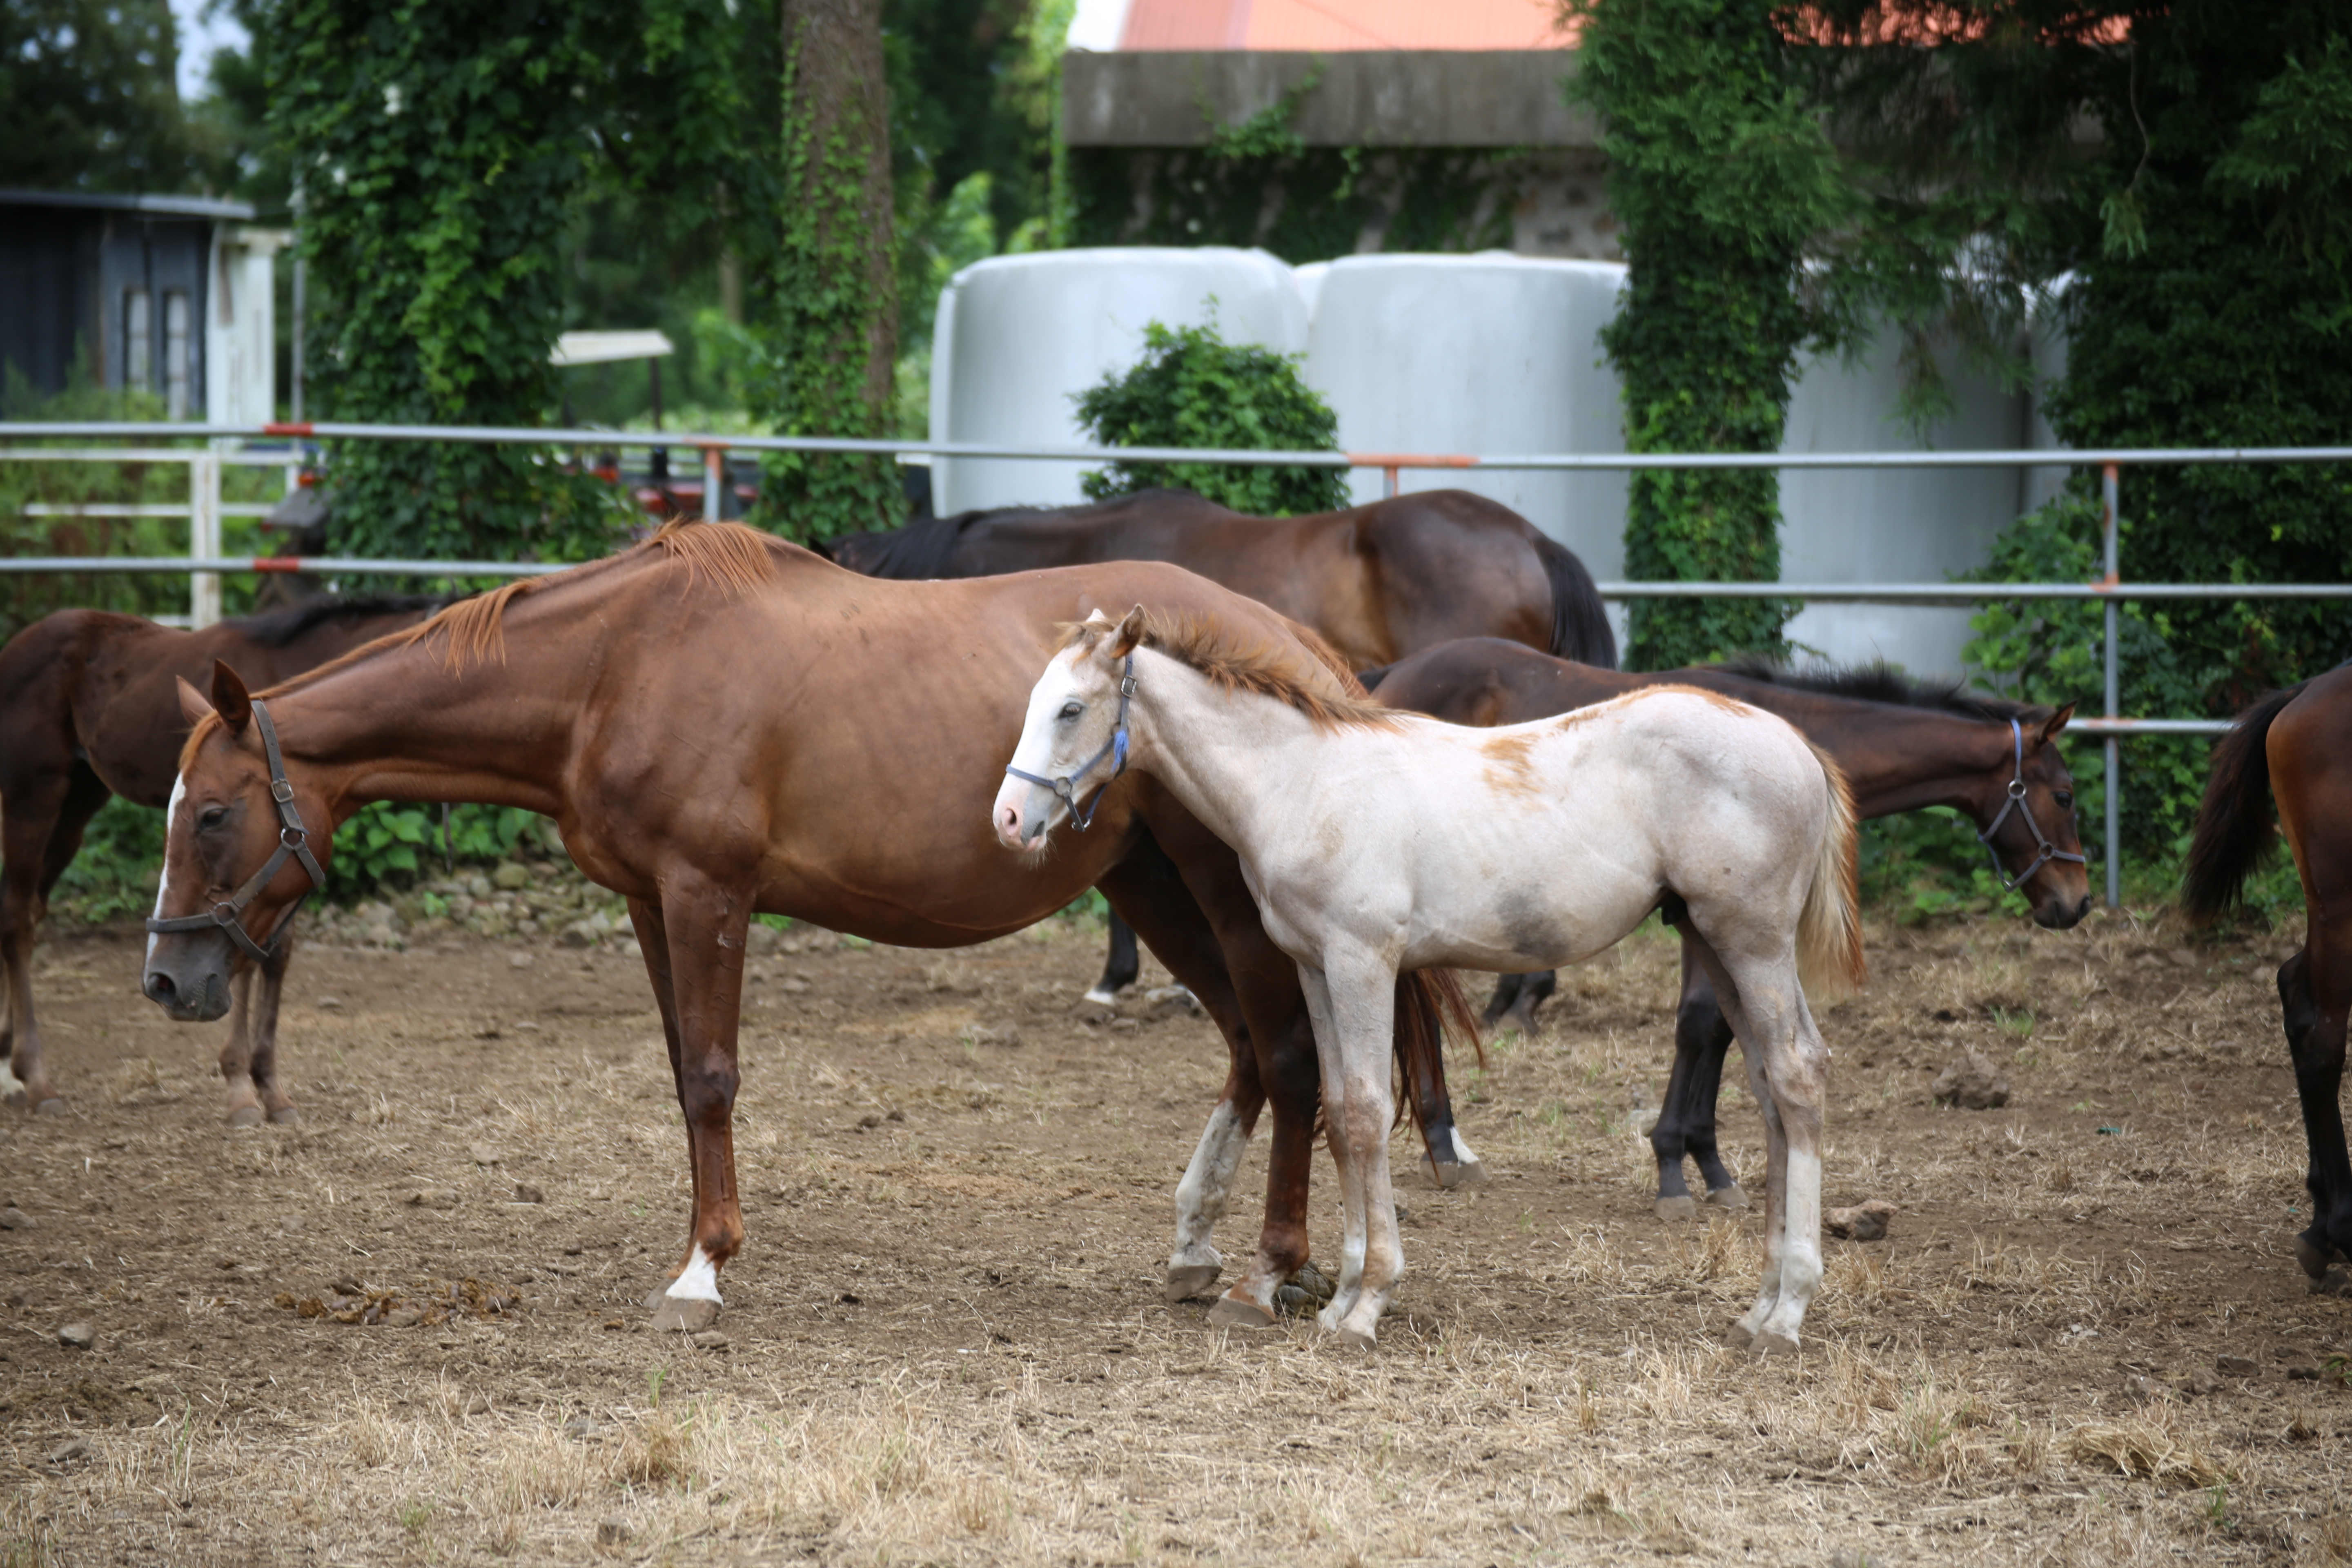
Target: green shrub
<point>1192,388</point>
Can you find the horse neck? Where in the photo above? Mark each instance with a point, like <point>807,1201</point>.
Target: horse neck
<point>400,723</point>
<point>1899,759</point>
<point>1218,752</point>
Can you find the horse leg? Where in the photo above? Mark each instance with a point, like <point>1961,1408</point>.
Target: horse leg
<point>700,926</point>
<point>1507,996</point>
<point>1120,964</point>
<point>40,833</point>
<point>268,988</point>
<point>236,1051</point>
<point>1280,1061</point>
<point>1146,885</point>
<point>1787,1066</point>
<point>1701,1021</point>
<point>1352,1004</point>
<point>1535,989</point>
<point>1452,1162</point>
<point>2314,1038</point>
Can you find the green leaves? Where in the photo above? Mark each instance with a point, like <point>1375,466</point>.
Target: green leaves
<point>1192,388</point>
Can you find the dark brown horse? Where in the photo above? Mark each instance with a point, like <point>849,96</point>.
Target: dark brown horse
<point>88,707</point>
<point>721,724</point>
<point>1378,582</point>
<point>2296,747</point>
<point>1901,744</point>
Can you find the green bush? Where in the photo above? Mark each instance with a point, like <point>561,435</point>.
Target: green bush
<point>1192,388</point>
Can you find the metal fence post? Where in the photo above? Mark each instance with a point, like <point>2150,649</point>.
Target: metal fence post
<point>714,483</point>
<point>2108,489</point>
<point>205,538</point>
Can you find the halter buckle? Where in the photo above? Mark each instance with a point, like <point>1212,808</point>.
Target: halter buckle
<point>280,791</point>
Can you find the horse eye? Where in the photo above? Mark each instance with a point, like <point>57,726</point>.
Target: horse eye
<point>2065,800</point>
<point>1070,710</point>
<point>213,816</point>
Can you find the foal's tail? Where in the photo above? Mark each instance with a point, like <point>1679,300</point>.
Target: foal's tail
<point>1829,928</point>
<point>1429,1004</point>
<point>2234,822</point>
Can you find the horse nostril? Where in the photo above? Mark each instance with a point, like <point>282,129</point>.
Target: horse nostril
<point>160,987</point>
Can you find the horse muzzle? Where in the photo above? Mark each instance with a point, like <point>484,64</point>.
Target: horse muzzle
<point>1020,823</point>
<point>2059,914</point>
<point>193,990</point>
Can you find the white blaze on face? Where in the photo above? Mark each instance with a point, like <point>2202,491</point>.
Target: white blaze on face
<point>163,884</point>
<point>700,1281</point>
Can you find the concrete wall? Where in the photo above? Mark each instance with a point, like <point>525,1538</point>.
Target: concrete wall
<point>1419,98</point>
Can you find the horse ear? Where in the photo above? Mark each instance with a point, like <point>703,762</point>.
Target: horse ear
<point>193,706</point>
<point>2057,722</point>
<point>1129,636</point>
<point>230,698</point>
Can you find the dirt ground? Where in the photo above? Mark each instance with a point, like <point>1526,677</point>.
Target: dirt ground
<point>946,1342</point>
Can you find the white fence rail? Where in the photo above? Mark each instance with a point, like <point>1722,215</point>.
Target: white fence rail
<point>205,564</point>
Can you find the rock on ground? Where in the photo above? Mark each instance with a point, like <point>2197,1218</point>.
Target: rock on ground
<point>1972,1083</point>
<point>1863,1221</point>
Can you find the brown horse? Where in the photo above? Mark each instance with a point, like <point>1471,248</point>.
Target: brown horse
<point>721,724</point>
<point>1378,582</point>
<point>88,707</point>
<point>2295,746</point>
<point>1901,744</point>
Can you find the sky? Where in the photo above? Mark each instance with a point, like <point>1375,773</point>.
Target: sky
<point>199,36</point>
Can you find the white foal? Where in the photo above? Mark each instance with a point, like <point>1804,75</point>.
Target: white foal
<point>1376,841</point>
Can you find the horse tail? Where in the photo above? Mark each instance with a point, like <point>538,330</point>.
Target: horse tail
<point>1829,928</point>
<point>1579,621</point>
<point>2233,833</point>
<point>1429,1004</point>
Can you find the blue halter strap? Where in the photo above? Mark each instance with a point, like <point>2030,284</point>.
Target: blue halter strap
<point>1066,788</point>
<point>2016,803</point>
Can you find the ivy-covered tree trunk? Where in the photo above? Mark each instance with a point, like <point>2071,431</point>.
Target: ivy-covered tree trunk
<point>833,306</point>
<point>440,150</point>
<point>1720,177</point>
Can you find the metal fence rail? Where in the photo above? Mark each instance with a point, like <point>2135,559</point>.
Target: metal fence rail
<point>205,563</point>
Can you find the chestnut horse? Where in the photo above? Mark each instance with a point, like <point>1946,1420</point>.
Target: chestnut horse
<point>1378,582</point>
<point>2296,747</point>
<point>88,709</point>
<point>1901,746</point>
<point>722,723</point>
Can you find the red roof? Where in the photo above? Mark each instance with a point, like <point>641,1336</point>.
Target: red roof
<point>1333,25</point>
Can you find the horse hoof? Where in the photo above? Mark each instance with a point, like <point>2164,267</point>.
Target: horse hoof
<point>1357,1338</point>
<point>53,1106</point>
<point>2311,1257</point>
<point>686,1315</point>
<point>1772,1342</point>
<point>1100,997</point>
<point>1234,1311</point>
<point>16,1098</point>
<point>285,1116</point>
<point>1740,1335</point>
<point>1681,1205</point>
<point>2334,1282</point>
<point>1192,1280</point>
<point>245,1116</point>
<point>1729,1197</point>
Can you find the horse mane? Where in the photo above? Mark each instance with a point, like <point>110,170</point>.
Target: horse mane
<point>283,628</point>
<point>1326,690</point>
<point>1884,683</point>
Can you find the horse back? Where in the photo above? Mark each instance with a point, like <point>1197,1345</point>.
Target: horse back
<point>2309,749</point>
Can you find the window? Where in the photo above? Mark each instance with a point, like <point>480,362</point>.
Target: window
<point>138,341</point>
<point>175,353</point>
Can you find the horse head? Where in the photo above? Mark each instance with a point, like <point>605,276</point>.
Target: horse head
<point>1074,738</point>
<point>238,855</point>
<point>2034,835</point>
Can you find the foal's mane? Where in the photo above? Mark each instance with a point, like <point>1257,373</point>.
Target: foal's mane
<point>1883,683</point>
<point>735,559</point>
<point>1324,689</point>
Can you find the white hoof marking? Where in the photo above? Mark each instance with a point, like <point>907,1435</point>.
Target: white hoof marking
<point>699,1282</point>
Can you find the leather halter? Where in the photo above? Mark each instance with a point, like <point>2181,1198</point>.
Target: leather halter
<point>2016,802</point>
<point>1065,788</point>
<point>293,843</point>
